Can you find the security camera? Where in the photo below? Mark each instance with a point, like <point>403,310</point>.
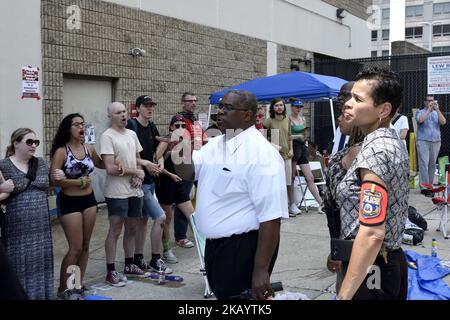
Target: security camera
<point>136,52</point>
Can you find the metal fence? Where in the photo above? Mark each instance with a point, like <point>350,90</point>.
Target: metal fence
<point>412,70</point>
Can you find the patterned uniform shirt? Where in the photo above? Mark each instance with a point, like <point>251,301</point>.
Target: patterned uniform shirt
<point>384,154</point>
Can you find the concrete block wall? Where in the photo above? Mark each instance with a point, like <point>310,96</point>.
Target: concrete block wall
<point>180,56</point>
<point>284,56</point>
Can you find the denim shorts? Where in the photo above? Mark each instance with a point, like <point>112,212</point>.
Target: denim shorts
<point>125,208</point>
<point>151,208</point>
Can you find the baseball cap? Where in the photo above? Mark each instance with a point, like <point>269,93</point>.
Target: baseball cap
<point>177,118</point>
<point>297,103</point>
<point>145,100</point>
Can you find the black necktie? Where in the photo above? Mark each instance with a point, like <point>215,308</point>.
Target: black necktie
<point>341,142</point>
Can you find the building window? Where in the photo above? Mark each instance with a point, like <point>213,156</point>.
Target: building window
<point>385,53</point>
<point>385,13</point>
<point>441,8</point>
<point>386,34</point>
<point>413,33</point>
<point>373,53</point>
<point>442,30</point>
<point>374,35</point>
<point>414,11</point>
<point>441,49</point>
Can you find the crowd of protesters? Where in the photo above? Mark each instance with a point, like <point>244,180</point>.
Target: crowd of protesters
<point>238,209</point>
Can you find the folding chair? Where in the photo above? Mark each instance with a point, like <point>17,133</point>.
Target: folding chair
<point>314,165</point>
<point>441,200</point>
<point>200,242</point>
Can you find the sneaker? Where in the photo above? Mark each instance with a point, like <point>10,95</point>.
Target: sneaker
<point>122,277</point>
<point>158,264</point>
<point>185,243</point>
<point>69,295</point>
<point>294,210</point>
<point>141,264</point>
<point>83,291</point>
<point>132,270</point>
<point>169,257</point>
<point>113,278</point>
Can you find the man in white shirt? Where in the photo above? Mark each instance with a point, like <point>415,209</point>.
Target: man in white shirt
<point>241,199</point>
<point>123,193</point>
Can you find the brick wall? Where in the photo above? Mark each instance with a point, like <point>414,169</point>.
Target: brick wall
<point>180,56</point>
<point>355,7</point>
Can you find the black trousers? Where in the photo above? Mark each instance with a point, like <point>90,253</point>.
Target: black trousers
<point>394,279</point>
<point>229,263</point>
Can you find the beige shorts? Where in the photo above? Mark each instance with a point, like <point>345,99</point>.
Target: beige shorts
<point>288,171</point>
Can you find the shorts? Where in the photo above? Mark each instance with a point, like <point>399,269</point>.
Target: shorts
<point>288,171</point>
<point>170,192</point>
<point>300,152</point>
<point>151,207</point>
<point>125,208</point>
<point>71,204</point>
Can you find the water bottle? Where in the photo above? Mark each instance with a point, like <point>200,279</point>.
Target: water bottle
<point>162,276</point>
<point>434,248</point>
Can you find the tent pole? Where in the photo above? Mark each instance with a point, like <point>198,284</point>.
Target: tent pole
<point>209,116</point>
<point>332,117</point>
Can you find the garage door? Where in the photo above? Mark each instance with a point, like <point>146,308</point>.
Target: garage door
<point>90,98</point>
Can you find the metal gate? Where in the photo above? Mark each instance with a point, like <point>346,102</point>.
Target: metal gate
<point>412,70</point>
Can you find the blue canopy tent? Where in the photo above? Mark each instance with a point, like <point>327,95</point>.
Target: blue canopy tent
<point>303,85</point>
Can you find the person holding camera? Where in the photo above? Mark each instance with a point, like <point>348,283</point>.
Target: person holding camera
<point>429,119</point>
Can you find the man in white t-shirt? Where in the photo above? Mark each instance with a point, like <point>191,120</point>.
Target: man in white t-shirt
<point>400,124</point>
<point>123,193</point>
<point>241,199</point>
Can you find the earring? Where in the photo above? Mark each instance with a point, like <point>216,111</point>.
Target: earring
<point>379,121</point>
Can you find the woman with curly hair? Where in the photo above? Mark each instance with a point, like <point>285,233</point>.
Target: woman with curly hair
<point>77,203</point>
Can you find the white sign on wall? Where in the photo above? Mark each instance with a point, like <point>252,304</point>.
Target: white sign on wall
<point>30,82</point>
<point>439,75</point>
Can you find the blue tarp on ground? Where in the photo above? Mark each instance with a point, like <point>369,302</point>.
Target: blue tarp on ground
<point>425,282</point>
<point>297,84</point>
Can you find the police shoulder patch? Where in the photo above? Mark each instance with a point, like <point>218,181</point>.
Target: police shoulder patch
<point>373,204</point>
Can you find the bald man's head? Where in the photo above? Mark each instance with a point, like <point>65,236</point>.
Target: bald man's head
<point>114,106</point>
<point>118,115</point>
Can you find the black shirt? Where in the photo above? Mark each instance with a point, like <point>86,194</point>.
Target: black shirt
<point>146,136</point>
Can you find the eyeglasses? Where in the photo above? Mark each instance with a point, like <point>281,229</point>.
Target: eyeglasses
<point>191,100</point>
<point>178,126</point>
<point>30,142</point>
<point>79,124</point>
<point>230,107</point>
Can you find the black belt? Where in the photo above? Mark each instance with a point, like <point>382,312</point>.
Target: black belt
<point>233,236</point>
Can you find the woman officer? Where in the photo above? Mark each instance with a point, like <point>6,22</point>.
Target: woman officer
<point>373,195</point>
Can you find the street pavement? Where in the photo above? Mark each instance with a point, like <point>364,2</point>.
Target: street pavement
<point>301,263</point>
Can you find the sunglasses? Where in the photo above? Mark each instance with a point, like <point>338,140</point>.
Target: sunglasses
<point>178,126</point>
<point>30,142</point>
